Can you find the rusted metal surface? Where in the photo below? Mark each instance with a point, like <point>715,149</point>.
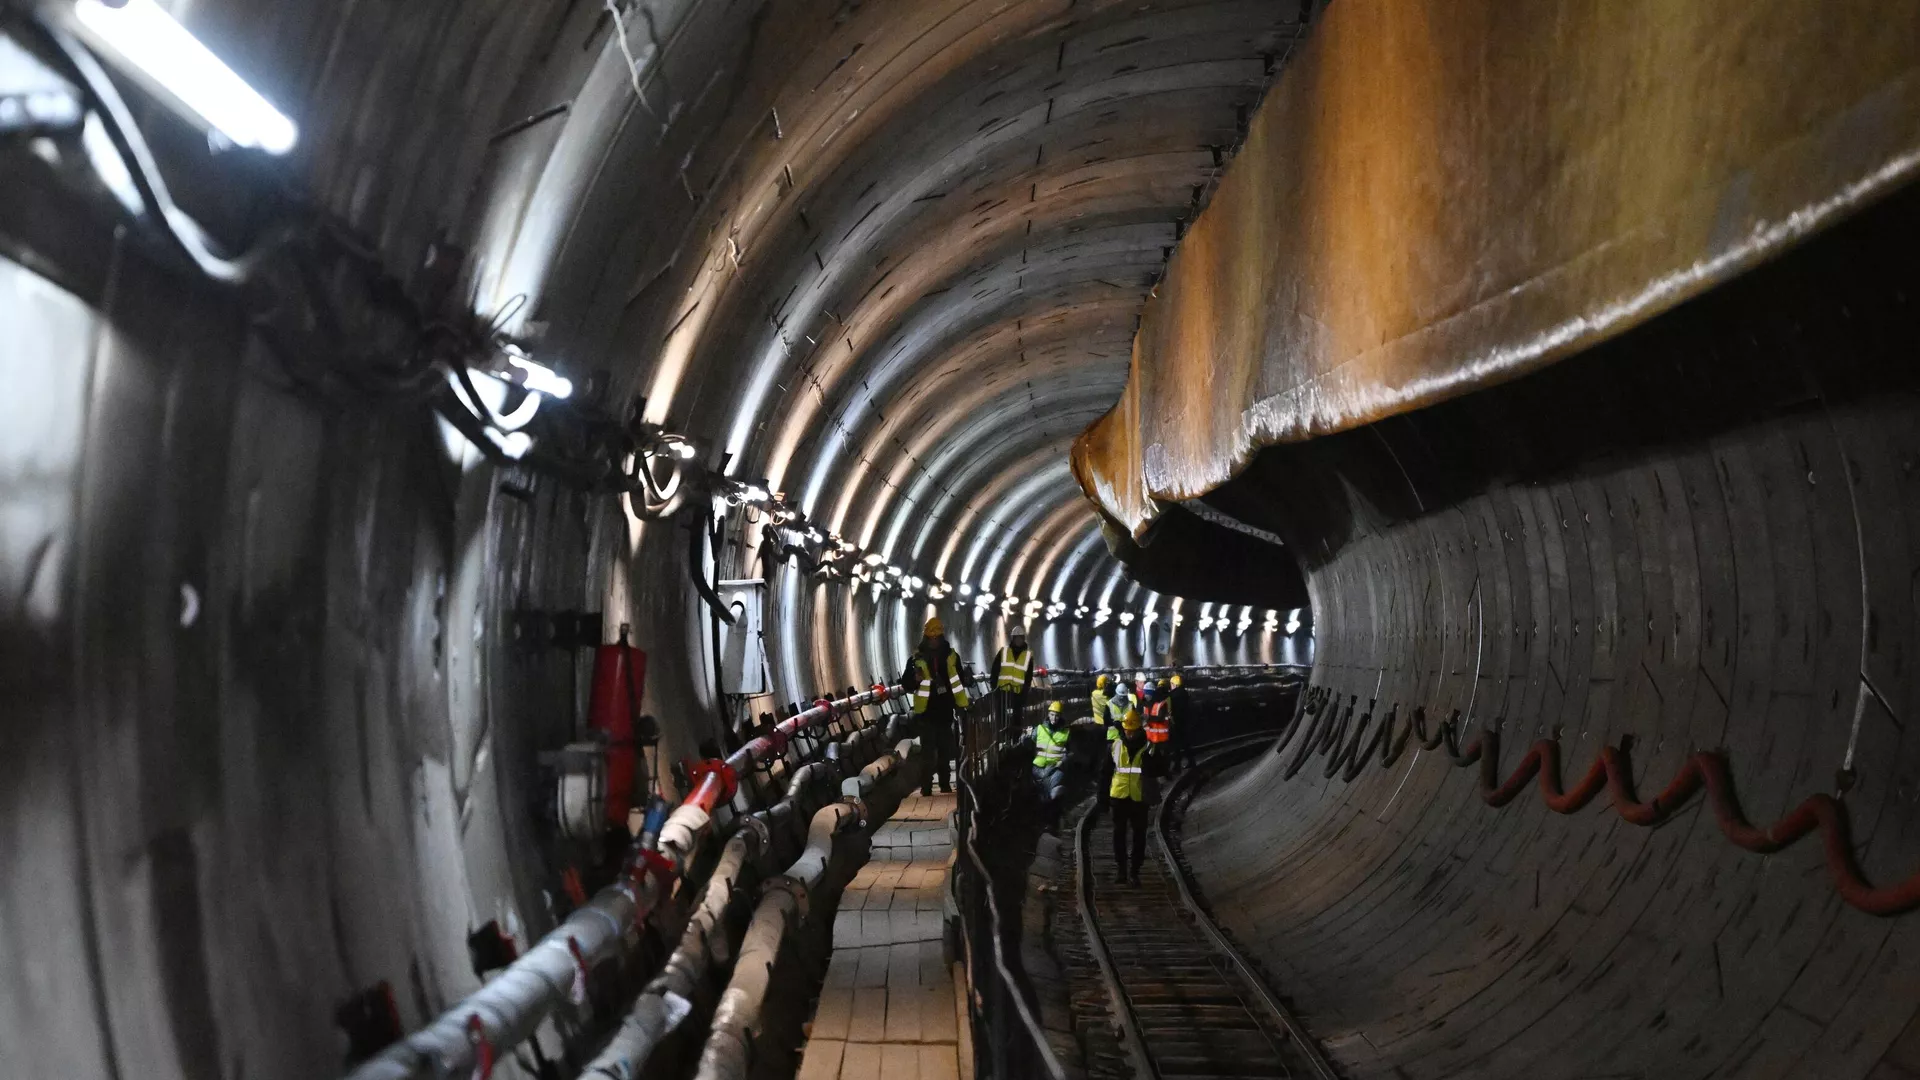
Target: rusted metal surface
<point>1439,196</point>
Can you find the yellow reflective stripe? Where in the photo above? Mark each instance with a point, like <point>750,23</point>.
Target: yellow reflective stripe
<point>923,686</point>
<point>953,679</point>
<point>1013,669</point>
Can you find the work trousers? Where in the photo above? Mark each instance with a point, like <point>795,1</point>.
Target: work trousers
<point>1180,745</point>
<point>1048,783</point>
<point>1007,707</point>
<point>935,729</point>
<point>1129,833</point>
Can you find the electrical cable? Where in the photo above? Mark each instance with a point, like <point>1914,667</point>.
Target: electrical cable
<point>177,225</point>
<point>411,356</point>
<point>1612,773</point>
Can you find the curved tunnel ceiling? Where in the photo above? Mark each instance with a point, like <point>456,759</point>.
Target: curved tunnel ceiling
<point>888,256</point>
<point>913,266</point>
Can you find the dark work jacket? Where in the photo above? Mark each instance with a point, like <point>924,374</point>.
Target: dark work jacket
<point>938,692</point>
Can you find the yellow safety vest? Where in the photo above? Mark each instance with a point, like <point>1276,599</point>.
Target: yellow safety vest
<point>1099,700</point>
<point>923,686</point>
<point>1049,749</point>
<point>1013,669</point>
<point>1127,772</point>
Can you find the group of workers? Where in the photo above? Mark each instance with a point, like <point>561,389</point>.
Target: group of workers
<point>936,683</point>
<point>1145,723</point>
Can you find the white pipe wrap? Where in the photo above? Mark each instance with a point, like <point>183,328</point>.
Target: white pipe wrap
<point>811,867</point>
<point>513,1003</point>
<point>727,1054</point>
<point>680,837</point>
<point>667,1000</point>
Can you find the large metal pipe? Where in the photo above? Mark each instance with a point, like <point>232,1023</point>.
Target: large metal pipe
<point>552,974</point>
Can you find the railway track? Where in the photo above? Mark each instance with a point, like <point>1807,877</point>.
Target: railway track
<point>1180,1000</point>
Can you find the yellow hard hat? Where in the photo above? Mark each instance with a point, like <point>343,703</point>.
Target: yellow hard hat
<point>1131,720</point>
<point>1100,683</point>
<point>1176,682</point>
<point>1056,707</point>
<point>936,628</point>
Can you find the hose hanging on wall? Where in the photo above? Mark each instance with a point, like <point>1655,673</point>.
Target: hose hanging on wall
<point>1610,772</point>
<point>177,225</point>
<point>344,329</point>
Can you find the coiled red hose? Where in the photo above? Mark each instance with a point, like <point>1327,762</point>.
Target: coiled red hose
<point>1612,773</point>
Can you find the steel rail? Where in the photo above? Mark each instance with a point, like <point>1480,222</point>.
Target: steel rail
<point>1302,1040</point>
<point>1124,1016</point>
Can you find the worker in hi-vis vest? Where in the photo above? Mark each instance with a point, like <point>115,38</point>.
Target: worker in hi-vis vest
<point>1050,762</point>
<point>1127,797</point>
<point>1013,676</point>
<point>938,694</point>
<point>1101,700</point>
<point>1180,713</point>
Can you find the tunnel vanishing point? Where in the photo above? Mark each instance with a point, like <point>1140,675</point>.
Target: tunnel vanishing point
<point>390,386</point>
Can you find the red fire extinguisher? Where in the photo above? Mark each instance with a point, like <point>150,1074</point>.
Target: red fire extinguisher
<point>619,676</point>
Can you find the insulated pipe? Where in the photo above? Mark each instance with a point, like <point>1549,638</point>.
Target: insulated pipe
<point>504,1012</point>
<point>513,1004</point>
<point>783,909</point>
<point>668,998</point>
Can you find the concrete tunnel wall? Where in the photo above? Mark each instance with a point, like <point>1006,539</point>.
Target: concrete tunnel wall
<point>269,739</point>
<point>1700,536</point>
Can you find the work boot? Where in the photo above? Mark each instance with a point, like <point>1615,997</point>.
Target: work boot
<point>1120,876</point>
<point>1135,879</point>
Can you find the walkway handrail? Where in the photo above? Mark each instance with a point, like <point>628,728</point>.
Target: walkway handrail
<point>1036,1038</point>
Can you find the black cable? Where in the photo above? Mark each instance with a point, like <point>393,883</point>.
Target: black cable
<point>177,225</point>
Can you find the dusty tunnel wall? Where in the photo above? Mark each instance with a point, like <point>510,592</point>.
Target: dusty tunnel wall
<point>1670,539</point>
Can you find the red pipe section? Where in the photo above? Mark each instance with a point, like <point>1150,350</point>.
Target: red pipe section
<point>1612,772</point>
<point>715,782</point>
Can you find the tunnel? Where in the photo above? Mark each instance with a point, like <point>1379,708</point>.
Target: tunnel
<point>1532,387</point>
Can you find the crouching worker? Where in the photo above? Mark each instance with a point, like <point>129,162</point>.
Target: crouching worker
<point>1050,763</point>
<point>1127,797</point>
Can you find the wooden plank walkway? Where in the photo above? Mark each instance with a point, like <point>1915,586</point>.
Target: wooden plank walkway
<point>891,1005</point>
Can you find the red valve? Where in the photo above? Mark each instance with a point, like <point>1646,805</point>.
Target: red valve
<point>698,771</point>
<point>655,863</point>
<point>578,992</point>
<point>482,1048</point>
<point>576,891</point>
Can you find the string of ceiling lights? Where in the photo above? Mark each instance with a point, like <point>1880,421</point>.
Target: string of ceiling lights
<point>321,299</point>
<point>342,325</point>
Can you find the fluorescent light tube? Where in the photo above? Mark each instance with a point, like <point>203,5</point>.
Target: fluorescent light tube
<point>149,39</point>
